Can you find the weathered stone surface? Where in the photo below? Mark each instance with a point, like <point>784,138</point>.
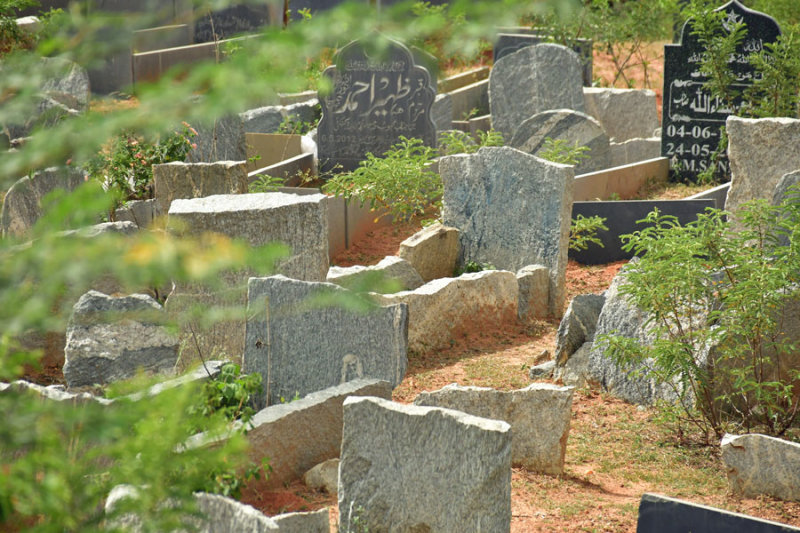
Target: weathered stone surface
<point>376,98</point>
<point>440,308</point>
<point>108,339</point>
<point>55,393</point>
<point>410,468</point>
<point>534,79</point>
<point>659,514</point>
<point>268,119</point>
<point>623,319</point>
<point>784,184</point>
<point>298,435</point>
<point>578,325</point>
<point>442,112</point>
<point>512,209</point>
<point>311,522</point>
<point>219,513</point>
<point>222,140</point>
<point>534,292</point>
<point>432,251</point>
<point>539,416</point>
<point>575,371</point>
<point>196,180</point>
<point>758,464</point>
<point>634,150</point>
<point>567,125</point>
<point>22,205</point>
<point>70,84</point>
<point>300,343</point>
<point>140,212</point>
<point>624,113</point>
<point>324,476</point>
<point>298,221</point>
<point>391,267</point>
<point>757,149</point>
<point>542,371</point>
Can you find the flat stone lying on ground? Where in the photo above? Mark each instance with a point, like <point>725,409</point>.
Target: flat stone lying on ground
<point>309,522</point>
<point>573,127</point>
<point>410,468</point>
<point>534,292</point>
<point>22,205</point>
<point>196,180</point>
<point>301,339</point>
<point>109,339</point>
<point>512,209</point>
<point>757,149</point>
<point>759,464</point>
<point>440,309</point>
<point>391,268</point>
<point>432,251</point>
<point>624,113</point>
<point>299,435</point>
<point>534,79</point>
<point>539,416</point>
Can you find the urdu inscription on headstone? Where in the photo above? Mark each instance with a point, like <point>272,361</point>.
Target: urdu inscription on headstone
<point>376,98</point>
<point>691,116</point>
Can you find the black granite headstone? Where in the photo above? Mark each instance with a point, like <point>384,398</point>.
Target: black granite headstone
<point>621,219</point>
<point>230,21</point>
<point>659,514</point>
<point>508,43</point>
<point>376,98</point>
<point>691,117</point>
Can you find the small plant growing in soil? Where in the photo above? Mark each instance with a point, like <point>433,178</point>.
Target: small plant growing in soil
<point>718,301</point>
<point>583,232</point>
<point>561,151</point>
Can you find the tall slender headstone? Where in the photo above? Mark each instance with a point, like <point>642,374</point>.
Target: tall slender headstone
<point>378,95</point>
<point>691,116</point>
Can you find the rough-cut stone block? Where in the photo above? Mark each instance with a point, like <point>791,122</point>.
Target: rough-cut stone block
<point>432,251</point>
<point>442,112</point>
<point>222,140</point>
<point>634,151</point>
<point>542,371</point>
<point>298,221</point>
<point>659,514</point>
<point>624,113</point>
<point>534,79</point>
<point>512,209</point>
<point>268,119</point>
<point>139,212</point>
<point>391,268</point>
<point>109,339</point>
<point>534,292</point>
<point>22,205</point>
<point>759,155</point>
<point>758,464</point>
<point>324,476</point>
<point>196,180</point>
<point>578,325</point>
<point>311,522</point>
<point>410,468</point>
<point>575,371</point>
<point>302,339</point>
<point>574,127</point>
<point>622,318</point>
<point>298,435</point>
<point>539,416</point>
<point>441,308</point>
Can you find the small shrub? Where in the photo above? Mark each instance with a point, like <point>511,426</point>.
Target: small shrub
<point>561,151</point>
<point>583,232</point>
<point>265,183</point>
<point>229,394</point>
<point>473,266</point>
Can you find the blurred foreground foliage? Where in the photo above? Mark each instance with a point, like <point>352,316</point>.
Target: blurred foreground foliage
<point>58,461</point>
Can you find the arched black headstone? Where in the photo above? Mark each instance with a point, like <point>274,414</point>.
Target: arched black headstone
<point>374,101</point>
<point>691,117</point>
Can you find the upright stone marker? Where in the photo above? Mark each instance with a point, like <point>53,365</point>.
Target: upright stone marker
<point>508,43</point>
<point>301,339</point>
<point>376,97</point>
<point>691,117</point>
<point>534,79</point>
<point>512,209</point>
